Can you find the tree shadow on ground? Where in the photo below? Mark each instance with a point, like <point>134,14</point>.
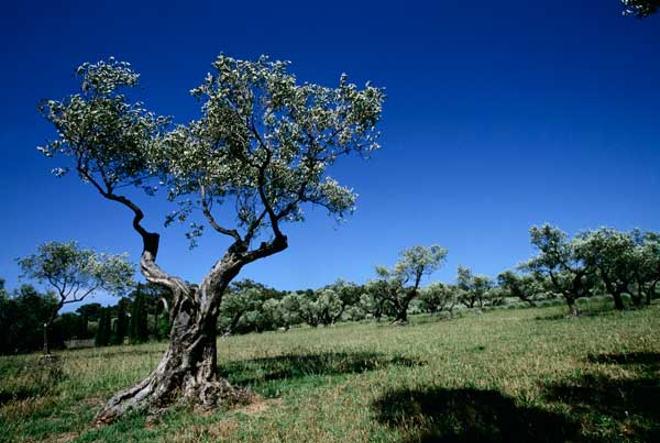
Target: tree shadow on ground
<point>468,415</point>
<point>19,394</point>
<point>291,366</point>
<point>632,403</point>
<point>35,379</point>
<point>647,359</point>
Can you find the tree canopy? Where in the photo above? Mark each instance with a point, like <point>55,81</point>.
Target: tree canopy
<point>640,8</point>
<point>399,285</point>
<point>261,147</point>
<point>74,273</point>
<point>260,150</point>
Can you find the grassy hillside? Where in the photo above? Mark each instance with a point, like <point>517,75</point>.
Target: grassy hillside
<point>509,375</point>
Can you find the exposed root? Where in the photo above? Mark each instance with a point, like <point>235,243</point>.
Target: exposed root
<point>211,394</point>
<point>153,398</point>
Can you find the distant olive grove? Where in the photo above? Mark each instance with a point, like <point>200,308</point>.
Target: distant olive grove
<point>623,267</point>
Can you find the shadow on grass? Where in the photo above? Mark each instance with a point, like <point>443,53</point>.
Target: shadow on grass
<point>35,379</point>
<point>598,408</point>
<point>292,366</point>
<point>468,415</point>
<point>649,359</point>
<point>633,403</point>
<point>19,394</point>
<point>630,402</point>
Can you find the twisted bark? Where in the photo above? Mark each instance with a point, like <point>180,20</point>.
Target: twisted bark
<point>188,370</point>
<point>187,373</point>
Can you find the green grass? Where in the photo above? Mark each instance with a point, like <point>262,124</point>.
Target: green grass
<point>506,375</point>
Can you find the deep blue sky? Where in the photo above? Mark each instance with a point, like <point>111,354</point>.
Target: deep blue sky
<point>499,115</point>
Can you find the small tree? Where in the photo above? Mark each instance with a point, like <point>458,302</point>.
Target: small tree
<point>330,302</point>
<point>7,317</point>
<point>438,297</point>
<point>329,306</point>
<point>558,264</point>
<point>474,288</point>
<point>400,285</point>
<point>65,327</point>
<point>646,257</point>
<point>611,254</point>
<point>309,309</point>
<point>242,297</point>
<point>372,302</point>
<point>22,315</point>
<point>290,305</point>
<point>75,273</point>
<point>524,287</point>
<point>272,314</point>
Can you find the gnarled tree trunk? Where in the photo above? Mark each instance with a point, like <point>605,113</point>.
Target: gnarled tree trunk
<point>188,370</point>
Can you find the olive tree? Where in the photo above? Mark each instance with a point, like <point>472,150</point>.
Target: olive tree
<point>259,151</point>
<point>474,288</point>
<point>559,265</point>
<point>325,306</point>
<point>525,287</point>
<point>290,308</point>
<point>74,273</point>
<point>239,299</point>
<point>371,302</point>
<point>611,254</point>
<point>309,308</point>
<point>646,258</point>
<point>398,286</point>
<point>335,299</point>
<point>438,297</point>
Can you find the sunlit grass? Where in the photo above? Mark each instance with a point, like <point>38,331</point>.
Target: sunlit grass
<point>521,370</point>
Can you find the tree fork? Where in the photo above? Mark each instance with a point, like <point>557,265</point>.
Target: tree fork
<point>110,159</point>
<point>188,370</point>
<point>186,374</point>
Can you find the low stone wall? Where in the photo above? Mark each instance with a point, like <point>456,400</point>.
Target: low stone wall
<point>74,344</point>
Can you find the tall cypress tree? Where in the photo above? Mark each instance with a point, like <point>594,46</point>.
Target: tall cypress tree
<point>83,332</point>
<point>121,325</point>
<point>104,331</point>
<point>138,329</point>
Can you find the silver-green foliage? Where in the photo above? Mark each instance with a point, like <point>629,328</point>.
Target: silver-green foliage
<point>396,287</point>
<point>263,141</point>
<point>474,288</point>
<point>75,272</point>
<point>640,8</point>
<point>438,297</point>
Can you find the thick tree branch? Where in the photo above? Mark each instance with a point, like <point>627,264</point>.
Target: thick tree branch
<point>150,240</point>
<point>206,210</point>
<point>261,184</point>
<point>254,226</point>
